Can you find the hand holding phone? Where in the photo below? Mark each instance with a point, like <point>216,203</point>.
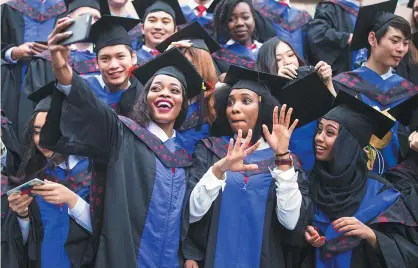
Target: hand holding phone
<point>20,204</point>
<point>25,188</point>
<point>80,30</point>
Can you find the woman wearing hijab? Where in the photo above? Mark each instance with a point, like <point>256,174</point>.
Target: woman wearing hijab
<point>279,58</point>
<point>360,218</point>
<point>42,222</point>
<point>141,169</point>
<point>244,201</point>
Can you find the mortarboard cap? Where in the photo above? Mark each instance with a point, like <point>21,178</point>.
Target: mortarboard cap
<point>403,111</point>
<point>173,63</point>
<point>411,3</point>
<point>172,7</point>
<point>371,18</point>
<point>197,36</point>
<point>76,4</point>
<point>259,82</point>
<point>212,6</point>
<point>308,96</point>
<point>42,97</point>
<point>359,118</point>
<point>111,30</point>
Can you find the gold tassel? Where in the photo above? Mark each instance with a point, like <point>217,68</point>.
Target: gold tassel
<point>259,98</point>
<point>204,86</point>
<point>371,156</point>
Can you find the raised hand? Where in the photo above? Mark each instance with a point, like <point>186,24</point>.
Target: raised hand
<point>288,71</point>
<point>234,160</point>
<point>60,54</point>
<point>279,138</point>
<point>180,44</point>
<point>313,238</point>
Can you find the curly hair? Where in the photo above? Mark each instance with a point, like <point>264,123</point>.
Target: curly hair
<point>223,13</point>
<point>141,111</point>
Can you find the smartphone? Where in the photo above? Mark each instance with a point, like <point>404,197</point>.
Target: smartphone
<point>80,28</point>
<point>45,43</point>
<point>25,188</point>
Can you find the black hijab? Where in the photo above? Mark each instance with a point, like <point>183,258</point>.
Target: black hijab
<point>338,186</point>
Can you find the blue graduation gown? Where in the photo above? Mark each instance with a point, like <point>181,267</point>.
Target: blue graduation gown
<point>290,23</point>
<point>55,219</point>
<point>236,54</point>
<point>143,56</point>
<point>381,206</point>
<point>241,228</point>
<point>206,20</point>
<point>373,90</point>
<point>23,21</point>
<point>187,136</point>
<point>140,179</point>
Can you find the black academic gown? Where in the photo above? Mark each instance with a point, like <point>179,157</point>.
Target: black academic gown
<point>407,69</point>
<point>14,253</point>
<point>396,234</point>
<point>17,106</point>
<point>125,156</point>
<point>279,244</point>
<point>328,34</point>
<point>9,138</point>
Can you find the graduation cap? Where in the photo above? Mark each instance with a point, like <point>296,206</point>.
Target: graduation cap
<point>42,97</point>
<point>258,82</point>
<point>403,111</point>
<point>76,4</point>
<point>172,7</point>
<point>197,36</point>
<point>359,118</point>
<point>111,30</point>
<point>212,6</point>
<point>371,18</point>
<point>173,63</point>
<point>308,96</point>
<point>411,3</point>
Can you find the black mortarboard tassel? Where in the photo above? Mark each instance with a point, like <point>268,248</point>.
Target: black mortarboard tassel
<point>197,36</point>
<point>172,7</point>
<point>111,30</point>
<point>371,18</point>
<point>361,120</point>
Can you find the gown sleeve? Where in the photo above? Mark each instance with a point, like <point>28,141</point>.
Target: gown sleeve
<point>38,74</point>
<point>16,253</point>
<point>325,42</point>
<point>398,245</point>
<point>80,124</point>
<point>194,238</point>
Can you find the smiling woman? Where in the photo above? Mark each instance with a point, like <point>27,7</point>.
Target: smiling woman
<point>149,188</point>
<point>241,29</point>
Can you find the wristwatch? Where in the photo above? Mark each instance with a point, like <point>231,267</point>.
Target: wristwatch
<point>282,162</point>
